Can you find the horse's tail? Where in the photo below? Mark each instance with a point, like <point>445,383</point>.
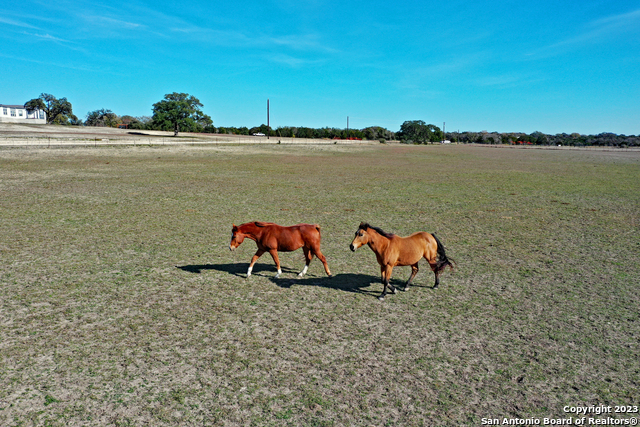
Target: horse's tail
<point>443,260</point>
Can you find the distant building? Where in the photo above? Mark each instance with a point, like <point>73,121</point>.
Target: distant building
<point>19,114</point>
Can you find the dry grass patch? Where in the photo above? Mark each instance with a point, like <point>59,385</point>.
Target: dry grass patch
<point>121,304</point>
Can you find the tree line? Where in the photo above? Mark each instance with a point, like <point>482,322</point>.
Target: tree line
<point>539,138</point>
<point>181,112</point>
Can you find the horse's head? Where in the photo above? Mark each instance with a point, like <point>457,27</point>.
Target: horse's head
<point>361,238</point>
<point>237,237</point>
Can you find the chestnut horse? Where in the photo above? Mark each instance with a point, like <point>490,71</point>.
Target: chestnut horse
<point>272,238</point>
<point>392,250</point>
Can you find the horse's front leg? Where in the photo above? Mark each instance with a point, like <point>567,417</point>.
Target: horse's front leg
<point>414,271</point>
<point>385,271</point>
<point>308,256</point>
<point>253,261</point>
<point>274,255</point>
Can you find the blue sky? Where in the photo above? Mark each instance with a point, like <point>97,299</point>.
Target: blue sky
<point>506,66</point>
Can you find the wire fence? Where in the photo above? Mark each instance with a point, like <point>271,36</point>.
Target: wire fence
<point>157,140</point>
<point>151,140</point>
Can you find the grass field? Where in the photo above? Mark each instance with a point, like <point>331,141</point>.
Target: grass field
<point>121,304</point>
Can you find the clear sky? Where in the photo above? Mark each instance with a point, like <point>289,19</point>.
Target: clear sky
<point>507,66</point>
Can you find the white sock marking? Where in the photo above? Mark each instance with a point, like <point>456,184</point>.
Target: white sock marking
<point>304,271</point>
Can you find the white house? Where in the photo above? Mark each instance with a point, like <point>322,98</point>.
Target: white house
<point>19,114</point>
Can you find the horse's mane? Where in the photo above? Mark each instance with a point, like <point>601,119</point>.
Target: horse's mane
<point>378,230</point>
<point>262,223</point>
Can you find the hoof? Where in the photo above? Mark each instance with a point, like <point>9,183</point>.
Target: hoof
<point>301,275</point>
<point>405,289</point>
<point>394,291</point>
<point>330,276</point>
<point>381,298</point>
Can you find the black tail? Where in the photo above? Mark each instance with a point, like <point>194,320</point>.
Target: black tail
<point>443,260</point>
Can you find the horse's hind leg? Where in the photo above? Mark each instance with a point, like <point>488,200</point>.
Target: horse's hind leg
<point>308,256</point>
<point>274,255</point>
<point>316,250</point>
<point>434,267</point>
<point>414,271</point>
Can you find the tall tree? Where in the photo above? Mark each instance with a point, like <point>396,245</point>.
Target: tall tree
<point>419,132</point>
<point>101,118</point>
<point>415,131</point>
<point>180,112</point>
<point>59,111</point>
<point>35,104</point>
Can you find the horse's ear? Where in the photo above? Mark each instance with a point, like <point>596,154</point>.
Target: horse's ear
<point>363,225</point>
<point>234,228</point>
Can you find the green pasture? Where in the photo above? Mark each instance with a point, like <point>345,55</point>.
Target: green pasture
<point>121,304</point>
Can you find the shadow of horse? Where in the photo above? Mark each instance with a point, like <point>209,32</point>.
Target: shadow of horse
<point>237,269</point>
<point>346,282</point>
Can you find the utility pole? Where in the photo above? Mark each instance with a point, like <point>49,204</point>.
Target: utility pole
<point>268,125</point>
<point>444,134</point>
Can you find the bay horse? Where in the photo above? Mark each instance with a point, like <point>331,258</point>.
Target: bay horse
<point>272,238</point>
<point>392,250</point>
